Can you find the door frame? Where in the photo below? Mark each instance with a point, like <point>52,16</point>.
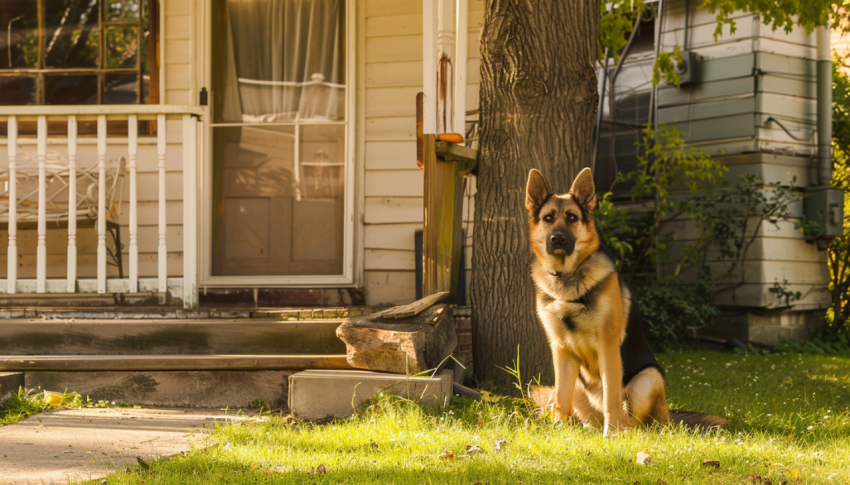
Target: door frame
<point>351,242</point>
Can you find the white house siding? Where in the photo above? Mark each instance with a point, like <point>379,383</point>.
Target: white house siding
<point>734,99</point>
<point>393,184</point>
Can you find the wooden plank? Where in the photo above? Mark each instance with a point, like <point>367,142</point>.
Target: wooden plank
<point>395,101</point>
<point>394,183</point>
<point>401,128</point>
<point>171,362</point>
<point>379,8</point>
<point>394,49</point>
<point>411,309</point>
<point>91,112</point>
<point>389,259</point>
<point>707,110</point>
<point>138,336</point>
<point>390,155</point>
<point>393,74</point>
<point>392,25</point>
<point>390,236</point>
<point>389,287</point>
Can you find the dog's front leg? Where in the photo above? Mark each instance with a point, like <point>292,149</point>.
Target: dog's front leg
<point>611,369</point>
<point>566,373</point>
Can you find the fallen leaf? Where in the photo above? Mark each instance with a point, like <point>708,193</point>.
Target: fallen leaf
<point>480,422</point>
<point>289,418</point>
<point>775,465</point>
<point>795,474</point>
<point>321,469</point>
<point>470,449</point>
<point>446,456</point>
<point>642,458</point>
<point>499,444</point>
<point>711,463</point>
<point>661,482</point>
<point>535,450</point>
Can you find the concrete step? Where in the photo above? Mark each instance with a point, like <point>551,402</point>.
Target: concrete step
<point>9,383</point>
<point>178,388</point>
<point>143,336</point>
<point>170,362</point>
<point>320,395</point>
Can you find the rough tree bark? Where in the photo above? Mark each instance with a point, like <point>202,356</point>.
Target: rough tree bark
<point>538,104</point>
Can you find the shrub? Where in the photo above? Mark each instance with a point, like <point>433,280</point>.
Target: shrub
<point>668,310</point>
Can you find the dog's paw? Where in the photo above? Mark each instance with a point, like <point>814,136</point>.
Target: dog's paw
<point>615,424</point>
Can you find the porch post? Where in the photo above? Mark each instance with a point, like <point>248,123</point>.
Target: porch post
<point>190,211</point>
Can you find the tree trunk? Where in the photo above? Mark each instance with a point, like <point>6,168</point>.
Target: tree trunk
<point>538,105</point>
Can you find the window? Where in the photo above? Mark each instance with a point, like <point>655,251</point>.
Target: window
<point>64,52</point>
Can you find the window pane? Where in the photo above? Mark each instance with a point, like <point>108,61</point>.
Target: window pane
<point>279,61</point>
<point>263,225</point>
<point>19,19</point>
<point>70,34</point>
<point>122,45</point>
<point>120,89</point>
<point>70,89</point>
<point>122,10</point>
<point>17,91</point>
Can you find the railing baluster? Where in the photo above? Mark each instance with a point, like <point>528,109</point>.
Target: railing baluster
<point>162,250</point>
<point>72,204</point>
<point>190,211</point>
<point>133,129</point>
<point>12,253</point>
<point>101,204</point>
<point>41,247</point>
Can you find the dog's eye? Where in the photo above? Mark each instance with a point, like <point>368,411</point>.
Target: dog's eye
<point>572,217</point>
<point>548,218</point>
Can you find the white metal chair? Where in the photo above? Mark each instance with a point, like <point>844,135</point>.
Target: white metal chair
<point>58,196</point>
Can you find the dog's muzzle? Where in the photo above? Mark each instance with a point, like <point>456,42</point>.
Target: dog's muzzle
<point>560,243</point>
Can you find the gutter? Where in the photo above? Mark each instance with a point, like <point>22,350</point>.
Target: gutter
<point>824,107</point>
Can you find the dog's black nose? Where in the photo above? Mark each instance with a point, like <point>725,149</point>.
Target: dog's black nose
<point>558,240</point>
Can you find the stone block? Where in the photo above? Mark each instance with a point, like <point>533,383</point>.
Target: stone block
<point>318,395</point>
<point>9,384</point>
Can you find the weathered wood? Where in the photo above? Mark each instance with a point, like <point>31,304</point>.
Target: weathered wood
<point>403,346</point>
<point>413,309</point>
<point>443,209</point>
<point>452,152</point>
<point>133,336</point>
<point>540,396</point>
<point>171,362</point>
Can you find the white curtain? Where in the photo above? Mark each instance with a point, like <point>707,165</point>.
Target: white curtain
<point>285,61</point>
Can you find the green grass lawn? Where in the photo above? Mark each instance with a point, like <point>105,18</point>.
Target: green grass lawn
<point>790,418</point>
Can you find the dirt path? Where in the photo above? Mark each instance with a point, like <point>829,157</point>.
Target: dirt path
<point>74,445</point>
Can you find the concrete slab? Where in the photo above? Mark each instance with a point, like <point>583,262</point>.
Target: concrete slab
<point>9,383</point>
<point>174,389</point>
<point>317,395</point>
<point>73,445</point>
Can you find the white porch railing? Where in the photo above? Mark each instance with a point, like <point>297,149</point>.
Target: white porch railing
<point>65,172</point>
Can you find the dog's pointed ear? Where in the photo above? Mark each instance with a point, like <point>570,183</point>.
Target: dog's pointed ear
<point>583,190</point>
<point>536,191</point>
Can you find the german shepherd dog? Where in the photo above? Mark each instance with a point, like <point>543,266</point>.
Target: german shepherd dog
<point>605,372</point>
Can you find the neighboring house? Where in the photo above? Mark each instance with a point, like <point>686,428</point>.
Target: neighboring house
<point>274,148</point>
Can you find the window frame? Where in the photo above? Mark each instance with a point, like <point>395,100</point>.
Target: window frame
<point>151,18</point>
